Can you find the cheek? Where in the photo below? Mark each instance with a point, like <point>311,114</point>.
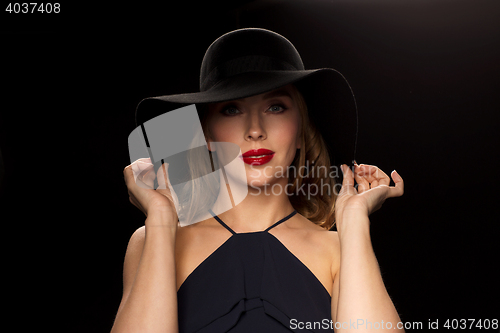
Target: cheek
<point>287,135</point>
<point>226,132</point>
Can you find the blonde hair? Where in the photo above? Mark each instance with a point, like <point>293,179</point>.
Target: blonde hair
<point>320,208</point>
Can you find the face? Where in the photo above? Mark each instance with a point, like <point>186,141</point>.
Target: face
<point>270,122</point>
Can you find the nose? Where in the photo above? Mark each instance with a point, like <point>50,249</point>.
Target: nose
<point>255,130</point>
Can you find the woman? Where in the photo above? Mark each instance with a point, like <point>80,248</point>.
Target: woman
<point>269,264</point>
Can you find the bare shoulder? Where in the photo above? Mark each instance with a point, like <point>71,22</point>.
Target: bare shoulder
<point>320,234</point>
<point>199,238</point>
<point>196,232</point>
<point>325,240</point>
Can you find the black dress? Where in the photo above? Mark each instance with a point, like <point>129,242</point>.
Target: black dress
<point>252,283</point>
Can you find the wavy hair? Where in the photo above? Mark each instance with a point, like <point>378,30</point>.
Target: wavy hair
<point>319,208</point>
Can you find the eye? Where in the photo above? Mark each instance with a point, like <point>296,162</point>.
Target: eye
<point>278,108</point>
<point>230,111</point>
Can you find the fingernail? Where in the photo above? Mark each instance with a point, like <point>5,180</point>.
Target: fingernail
<point>396,175</point>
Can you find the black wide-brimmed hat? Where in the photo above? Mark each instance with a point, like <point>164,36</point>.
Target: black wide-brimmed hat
<point>251,61</point>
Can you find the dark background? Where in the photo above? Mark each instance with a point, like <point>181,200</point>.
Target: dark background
<point>426,76</point>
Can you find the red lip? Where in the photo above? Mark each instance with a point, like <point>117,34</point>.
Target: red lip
<point>257,152</point>
<point>248,159</point>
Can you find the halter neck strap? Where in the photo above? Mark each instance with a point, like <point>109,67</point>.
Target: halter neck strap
<point>221,222</point>
<point>234,233</point>
<point>282,220</point>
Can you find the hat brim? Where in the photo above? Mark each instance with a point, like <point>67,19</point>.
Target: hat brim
<point>328,95</point>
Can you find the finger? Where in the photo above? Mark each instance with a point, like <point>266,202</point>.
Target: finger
<point>139,160</point>
<point>348,181</point>
<point>138,166</point>
<point>148,177</point>
<point>164,184</point>
<point>141,182</point>
<point>162,177</point>
<point>144,174</point>
<point>141,166</point>
<point>374,175</point>
<point>128,175</point>
<point>363,184</point>
<point>398,189</point>
<point>139,174</point>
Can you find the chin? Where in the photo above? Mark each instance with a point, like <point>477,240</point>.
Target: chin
<point>258,183</point>
<point>259,176</point>
<point>261,182</point>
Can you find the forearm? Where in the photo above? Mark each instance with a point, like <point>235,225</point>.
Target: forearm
<point>363,298</point>
<point>152,303</point>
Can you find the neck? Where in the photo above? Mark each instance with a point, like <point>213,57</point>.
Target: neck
<point>260,209</point>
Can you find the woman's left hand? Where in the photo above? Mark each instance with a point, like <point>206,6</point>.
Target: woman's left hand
<point>372,190</point>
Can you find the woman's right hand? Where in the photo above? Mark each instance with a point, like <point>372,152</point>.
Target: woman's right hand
<point>139,178</point>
